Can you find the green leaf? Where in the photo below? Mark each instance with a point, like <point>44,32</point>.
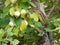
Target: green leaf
<point>40,34</point>
<point>15,42</point>
<point>38,24</point>
<point>24,5</point>
<point>4,22</point>
<point>1,33</point>
<point>5,12</point>
<point>30,21</point>
<point>18,21</point>
<point>9,31</point>
<point>12,11</point>
<point>48,29</point>
<point>7,2</point>
<point>32,4</point>
<point>56,24</point>
<point>24,0</point>
<point>34,16</point>
<point>16,31</point>
<point>4,44</point>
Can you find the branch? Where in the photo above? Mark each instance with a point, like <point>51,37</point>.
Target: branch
<point>40,7</point>
<point>51,10</point>
<point>47,41</point>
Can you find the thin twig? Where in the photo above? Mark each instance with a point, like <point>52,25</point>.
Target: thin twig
<point>51,10</point>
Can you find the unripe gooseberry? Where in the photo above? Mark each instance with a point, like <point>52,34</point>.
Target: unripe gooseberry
<point>23,12</point>
<point>13,1</point>
<point>26,22</point>
<point>11,23</point>
<point>17,14</point>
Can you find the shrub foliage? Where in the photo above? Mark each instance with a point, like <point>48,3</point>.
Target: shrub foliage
<point>20,25</point>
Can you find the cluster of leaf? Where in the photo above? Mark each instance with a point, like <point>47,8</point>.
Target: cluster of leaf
<point>20,25</point>
<point>54,20</point>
